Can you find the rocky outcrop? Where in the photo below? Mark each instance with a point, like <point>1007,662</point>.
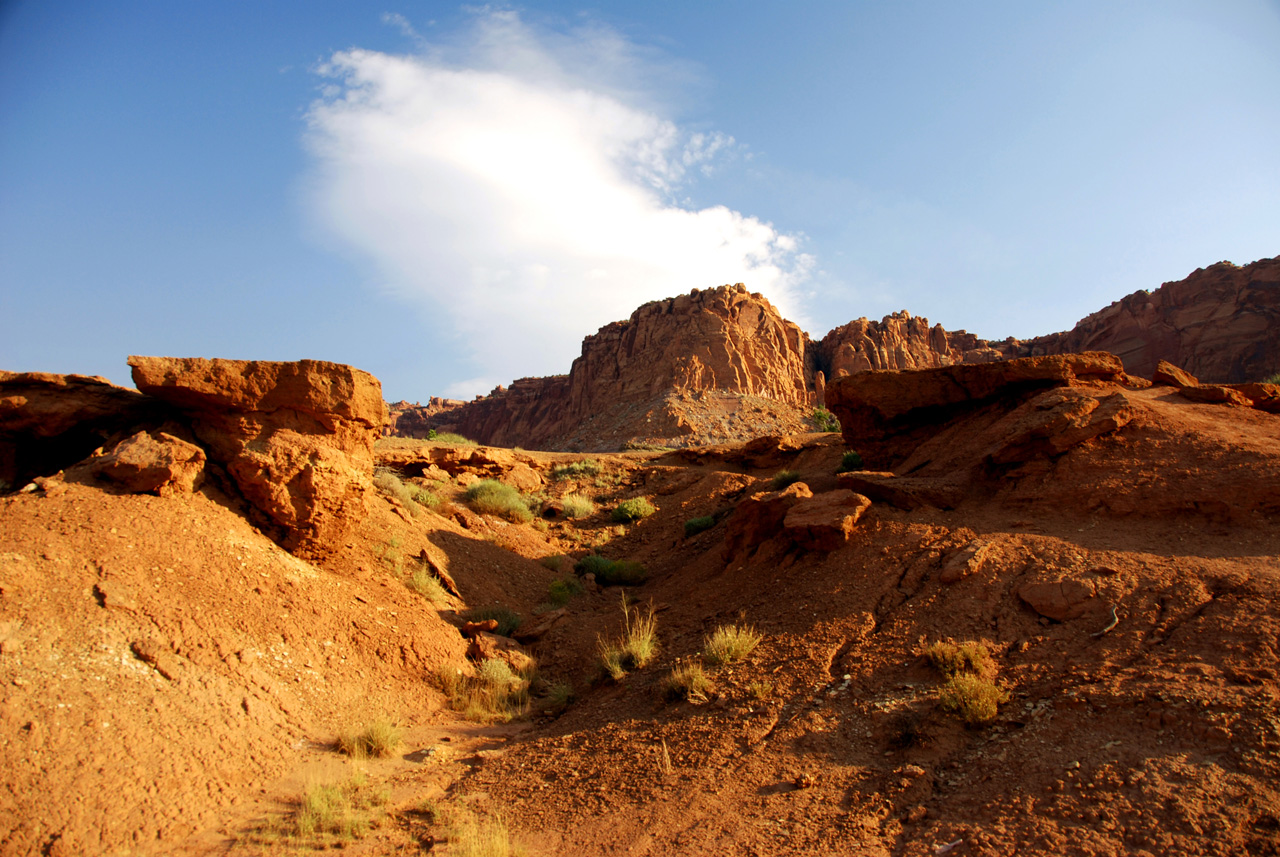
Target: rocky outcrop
<point>1221,323</point>
<point>49,422</point>
<point>899,341</point>
<point>723,339</point>
<point>150,463</point>
<point>872,405</point>
<point>296,438</point>
<point>417,420</point>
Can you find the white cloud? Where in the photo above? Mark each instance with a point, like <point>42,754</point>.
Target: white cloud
<point>522,183</point>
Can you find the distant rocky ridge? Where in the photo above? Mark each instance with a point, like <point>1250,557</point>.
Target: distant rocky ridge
<point>645,379</point>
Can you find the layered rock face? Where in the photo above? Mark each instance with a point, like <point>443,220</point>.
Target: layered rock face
<point>297,438</point>
<point>724,339</point>
<point>899,341</point>
<point>1221,323</point>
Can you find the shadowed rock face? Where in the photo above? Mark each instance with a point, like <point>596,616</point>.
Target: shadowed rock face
<point>1221,323</point>
<point>297,438</point>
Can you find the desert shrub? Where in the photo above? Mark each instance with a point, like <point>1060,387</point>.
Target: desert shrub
<point>1274,378</point>
<point>953,659</point>
<point>760,690</point>
<point>783,478</point>
<point>558,563</point>
<point>687,681</point>
<point>635,649</point>
<point>642,446</point>
<point>427,498</point>
<point>824,420</point>
<point>561,592</point>
<point>380,738</point>
<point>976,700</point>
<point>612,572</point>
<point>491,497</point>
<point>578,506</point>
<point>493,694</point>
<point>633,510</point>
<point>730,643</point>
<point>693,526</point>
<point>508,619</point>
<point>559,695</point>
<point>576,469</point>
<point>388,482</point>
<point>450,437</point>
<point>426,584</point>
<point>851,460</point>
<point>345,810</point>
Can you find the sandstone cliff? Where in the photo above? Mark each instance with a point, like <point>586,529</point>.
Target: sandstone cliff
<point>1221,323</point>
<point>724,339</point>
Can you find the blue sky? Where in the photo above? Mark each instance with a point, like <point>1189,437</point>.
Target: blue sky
<point>452,197</point>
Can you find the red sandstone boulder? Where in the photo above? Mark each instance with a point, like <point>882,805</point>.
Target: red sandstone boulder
<point>297,438</point>
<point>1059,600</point>
<point>151,463</point>
<point>760,517</point>
<point>1171,376</point>
<point>824,522</point>
<point>1213,394</point>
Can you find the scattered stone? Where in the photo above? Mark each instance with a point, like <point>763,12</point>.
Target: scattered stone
<point>537,629</point>
<point>151,463</point>
<point>1168,375</point>
<point>966,561</point>
<point>486,646</point>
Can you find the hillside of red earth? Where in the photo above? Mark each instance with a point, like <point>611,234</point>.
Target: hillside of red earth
<point>1015,607</point>
<point>671,374</point>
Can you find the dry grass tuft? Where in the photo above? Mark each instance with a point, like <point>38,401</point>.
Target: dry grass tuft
<point>494,694</point>
<point>687,681</point>
<point>380,738</point>
<point>637,647</point>
<point>731,643</point>
<point>578,506</point>
<point>426,584</point>
<point>344,810</point>
<point>470,836</point>
<point>491,497</point>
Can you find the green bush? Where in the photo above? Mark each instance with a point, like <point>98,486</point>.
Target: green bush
<point>1272,379</point>
<point>783,478</point>
<point>851,460</point>
<point>693,526</point>
<point>491,497</point>
<point>633,510</point>
<point>388,482</point>
<point>612,572</point>
<point>578,506</point>
<point>561,592</point>
<point>576,469</point>
<point>427,498</point>
<point>824,420</point>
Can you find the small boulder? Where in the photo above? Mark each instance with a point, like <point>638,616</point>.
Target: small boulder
<point>760,517</point>
<point>1168,375</point>
<point>537,629</point>
<point>825,522</point>
<point>1212,394</point>
<point>1059,600</point>
<point>151,463</point>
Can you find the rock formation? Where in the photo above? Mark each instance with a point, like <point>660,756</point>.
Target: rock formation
<point>635,379</point>
<point>49,422</point>
<point>1221,323</point>
<point>723,339</point>
<point>297,438</point>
